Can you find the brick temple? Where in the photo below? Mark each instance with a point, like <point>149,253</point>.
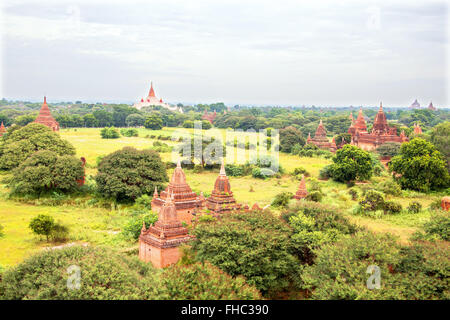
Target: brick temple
<point>320,139</point>
<point>159,244</point>
<point>221,199</point>
<point>301,192</point>
<point>186,201</point>
<point>46,118</point>
<point>380,133</point>
<point>417,129</point>
<point>2,129</point>
<point>209,116</point>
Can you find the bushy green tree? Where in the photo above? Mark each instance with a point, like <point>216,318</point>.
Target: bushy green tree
<point>351,163</point>
<point>389,149</point>
<point>135,120</point>
<point>109,133</point>
<point>132,229</point>
<point>44,171</point>
<point>340,270</point>
<point>282,199</point>
<point>257,246</point>
<point>289,137</point>
<point>129,173</point>
<point>440,137</point>
<point>24,119</point>
<point>153,122</point>
<point>419,166</point>
<point>22,142</point>
<point>42,225</point>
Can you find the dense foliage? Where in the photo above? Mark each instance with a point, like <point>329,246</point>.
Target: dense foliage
<point>109,133</point>
<point>419,166</point>
<point>351,163</point>
<point>129,173</point>
<point>45,171</point>
<point>22,142</point>
<point>289,137</point>
<point>257,246</point>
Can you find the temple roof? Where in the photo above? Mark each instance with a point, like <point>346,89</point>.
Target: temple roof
<point>46,118</point>
<point>360,123</point>
<point>380,125</point>
<point>151,93</point>
<point>320,132</point>
<point>415,104</point>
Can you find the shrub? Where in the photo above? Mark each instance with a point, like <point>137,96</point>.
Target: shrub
<point>129,132</point>
<point>255,246</point>
<point>388,149</point>
<point>234,170</point>
<point>42,225</point>
<point>325,173</point>
<point>373,200</point>
<point>44,171</point>
<point>437,228</point>
<point>414,207</point>
<point>59,232</point>
<point>392,207</point>
<point>132,229</point>
<point>153,122</point>
<point>143,170</point>
<point>390,187</point>
<point>206,218</point>
<point>109,133</point>
<point>340,269</point>
<point>282,199</point>
<point>289,137</point>
<point>351,163</point>
<point>144,201</point>
<point>1,231</point>
<point>301,171</point>
<point>204,281</point>
<point>315,196</point>
<point>22,142</point>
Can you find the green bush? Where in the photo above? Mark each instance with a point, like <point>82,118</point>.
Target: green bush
<point>256,246</point>
<point>390,187</point>
<point>372,201</point>
<point>234,170</point>
<point>315,196</point>
<point>298,172</point>
<point>109,133</point>
<point>206,218</point>
<point>339,271</point>
<point>23,142</point>
<point>326,173</point>
<point>42,225</point>
<point>129,132</point>
<point>353,193</point>
<point>282,199</point>
<point>143,170</point>
<point>351,163</point>
<point>59,232</point>
<point>144,201</point>
<point>437,228</point>
<point>2,234</point>
<point>392,207</point>
<point>132,229</point>
<point>414,207</point>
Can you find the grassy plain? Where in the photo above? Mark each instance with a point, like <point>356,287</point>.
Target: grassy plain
<point>102,226</point>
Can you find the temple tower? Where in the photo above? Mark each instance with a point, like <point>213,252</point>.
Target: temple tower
<point>301,192</point>
<point>380,125</point>
<point>321,140</point>
<point>221,199</point>
<point>159,243</point>
<point>46,118</point>
<point>2,129</point>
<point>417,129</point>
<point>186,201</point>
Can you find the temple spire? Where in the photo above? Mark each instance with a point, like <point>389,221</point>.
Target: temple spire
<point>151,92</point>
<point>222,169</point>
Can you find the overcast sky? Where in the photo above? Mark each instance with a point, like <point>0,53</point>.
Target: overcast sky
<point>327,53</point>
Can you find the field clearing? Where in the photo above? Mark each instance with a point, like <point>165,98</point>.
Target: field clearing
<point>101,226</point>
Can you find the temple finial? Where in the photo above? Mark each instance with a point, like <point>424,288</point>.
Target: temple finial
<point>179,164</point>
<point>222,169</point>
<point>45,99</point>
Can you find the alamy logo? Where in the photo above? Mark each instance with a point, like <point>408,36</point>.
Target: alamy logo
<point>74,280</point>
<point>374,281</point>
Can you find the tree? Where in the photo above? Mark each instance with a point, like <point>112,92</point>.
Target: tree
<point>345,137</point>
<point>44,171</point>
<point>135,120</point>
<point>129,173</point>
<point>351,163</point>
<point>90,121</point>
<point>104,118</point>
<point>24,119</point>
<point>153,122</point>
<point>21,143</point>
<point>257,246</point>
<point>109,133</point>
<point>440,137</point>
<point>42,225</point>
<point>5,119</point>
<point>289,137</point>
<point>206,125</point>
<point>419,166</point>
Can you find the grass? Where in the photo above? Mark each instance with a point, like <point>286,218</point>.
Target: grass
<point>100,226</point>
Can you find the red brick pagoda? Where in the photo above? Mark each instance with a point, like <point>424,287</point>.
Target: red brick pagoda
<point>2,129</point>
<point>381,132</point>
<point>209,116</point>
<point>46,118</point>
<point>320,139</point>
<point>159,243</point>
<point>301,192</point>
<point>221,199</point>
<point>186,201</point>
<point>417,129</point>
<point>431,107</point>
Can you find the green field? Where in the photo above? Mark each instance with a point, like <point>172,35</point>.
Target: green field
<point>102,226</point>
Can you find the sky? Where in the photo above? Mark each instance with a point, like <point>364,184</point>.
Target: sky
<point>322,52</point>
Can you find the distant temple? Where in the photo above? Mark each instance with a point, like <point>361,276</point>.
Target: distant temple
<point>159,243</point>
<point>209,116</point>
<point>301,192</point>
<point>186,201</point>
<point>381,132</point>
<point>417,129</point>
<point>431,107</point>
<point>415,104</point>
<point>221,199</point>
<point>152,100</point>
<point>2,129</point>
<point>320,139</point>
<point>46,118</point>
